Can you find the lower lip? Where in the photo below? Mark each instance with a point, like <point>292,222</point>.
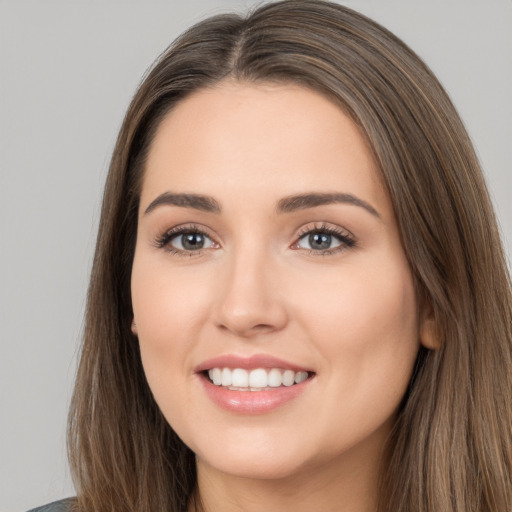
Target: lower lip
<point>252,402</point>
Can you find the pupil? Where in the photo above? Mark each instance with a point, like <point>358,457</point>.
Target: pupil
<point>193,241</point>
<point>320,241</point>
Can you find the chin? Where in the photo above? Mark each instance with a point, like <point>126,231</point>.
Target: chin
<point>256,457</point>
<point>273,467</point>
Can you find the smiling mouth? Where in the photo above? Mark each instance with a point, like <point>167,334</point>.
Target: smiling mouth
<point>259,379</point>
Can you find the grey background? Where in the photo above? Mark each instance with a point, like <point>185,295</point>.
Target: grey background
<point>67,72</point>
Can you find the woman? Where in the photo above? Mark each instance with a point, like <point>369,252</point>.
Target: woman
<point>299,296</point>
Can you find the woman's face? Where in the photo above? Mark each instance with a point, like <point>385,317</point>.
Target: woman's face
<point>268,253</point>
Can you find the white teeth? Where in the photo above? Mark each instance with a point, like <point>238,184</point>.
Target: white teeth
<point>288,378</point>
<point>216,376</point>
<point>258,378</point>
<point>227,379</point>
<point>300,377</point>
<point>239,378</point>
<point>274,378</point>
<point>255,380</point>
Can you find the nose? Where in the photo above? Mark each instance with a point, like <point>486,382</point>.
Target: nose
<point>250,302</point>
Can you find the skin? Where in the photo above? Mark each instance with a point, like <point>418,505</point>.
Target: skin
<point>350,316</point>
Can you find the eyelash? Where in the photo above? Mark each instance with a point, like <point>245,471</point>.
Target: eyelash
<point>346,239</point>
<point>163,241</point>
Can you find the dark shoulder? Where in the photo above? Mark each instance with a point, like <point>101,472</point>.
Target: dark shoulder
<point>56,506</point>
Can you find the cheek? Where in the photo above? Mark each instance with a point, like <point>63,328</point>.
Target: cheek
<point>166,304</point>
<point>169,310</point>
<point>156,311</point>
<point>364,327</point>
<point>364,319</point>
<point>373,296</point>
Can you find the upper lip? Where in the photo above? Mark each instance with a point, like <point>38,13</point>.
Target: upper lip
<point>249,363</point>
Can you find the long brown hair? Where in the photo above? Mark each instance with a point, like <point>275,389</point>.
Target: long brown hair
<point>451,448</point>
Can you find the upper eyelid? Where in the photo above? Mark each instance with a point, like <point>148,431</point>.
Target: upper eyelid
<point>303,230</point>
<point>185,228</point>
<point>324,226</point>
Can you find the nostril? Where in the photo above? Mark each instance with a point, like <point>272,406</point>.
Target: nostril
<point>246,329</point>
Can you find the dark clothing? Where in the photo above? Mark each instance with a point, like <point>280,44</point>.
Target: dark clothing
<point>56,506</point>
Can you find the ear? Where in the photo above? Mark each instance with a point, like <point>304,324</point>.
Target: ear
<point>429,336</point>
<point>134,328</point>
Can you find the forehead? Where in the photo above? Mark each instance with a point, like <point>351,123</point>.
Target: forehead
<point>242,139</point>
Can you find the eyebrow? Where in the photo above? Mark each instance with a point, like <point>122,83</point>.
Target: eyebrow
<point>195,201</point>
<point>285,205</point>
<point>303,201</point>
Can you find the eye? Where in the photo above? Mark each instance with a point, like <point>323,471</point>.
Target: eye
<point>185,240</point>
<point>324,240</point>
<point>191,241</point>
